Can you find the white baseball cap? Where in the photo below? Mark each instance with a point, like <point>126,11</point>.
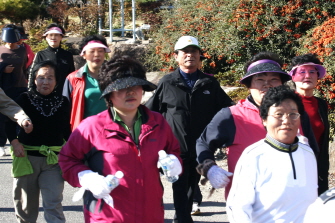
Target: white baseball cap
<point>186,41</point>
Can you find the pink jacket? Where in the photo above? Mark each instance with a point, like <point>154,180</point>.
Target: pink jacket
<point>106,147</point>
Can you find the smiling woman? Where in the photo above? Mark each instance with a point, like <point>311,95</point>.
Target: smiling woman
<point>81,86</point>
<point>275,168</point>
<point>35,161</point>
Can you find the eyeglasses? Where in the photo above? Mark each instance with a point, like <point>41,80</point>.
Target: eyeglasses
<point>280,116</point>
<point>303,73</point>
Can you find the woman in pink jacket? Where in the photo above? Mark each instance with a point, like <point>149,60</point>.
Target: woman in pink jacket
<point>126,137</point>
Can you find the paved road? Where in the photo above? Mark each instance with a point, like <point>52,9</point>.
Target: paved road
<point>213,209</point>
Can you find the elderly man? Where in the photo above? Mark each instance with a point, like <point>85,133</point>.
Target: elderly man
<point>188,99</point>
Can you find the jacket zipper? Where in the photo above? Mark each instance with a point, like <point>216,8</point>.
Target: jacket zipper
<point>144,134</point>
<point>292,162</point>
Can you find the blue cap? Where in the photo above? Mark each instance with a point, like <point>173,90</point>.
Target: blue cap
<point>10,35</point>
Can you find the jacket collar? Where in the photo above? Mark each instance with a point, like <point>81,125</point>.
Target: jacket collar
<point>247,104</point>
<point>177,79</point>
<point>80,72</point>
<point>55,50</point>
<point>148,122</point>
<point>288,148</point>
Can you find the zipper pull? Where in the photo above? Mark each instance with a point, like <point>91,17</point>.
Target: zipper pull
<point>139,151</point>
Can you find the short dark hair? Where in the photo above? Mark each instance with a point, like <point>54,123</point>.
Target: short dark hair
<point>87,39</point>
<point>302,59</point>
<point>119,67</point>
<point>262,56</point>
<point>37,66</point>
<point>55,25</point>
<point>275,96</point>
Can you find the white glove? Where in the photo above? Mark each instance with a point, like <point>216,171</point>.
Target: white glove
<point>95,183</point>
<point>218,177</point>
<point>175,167</point>
<point>100,186</point>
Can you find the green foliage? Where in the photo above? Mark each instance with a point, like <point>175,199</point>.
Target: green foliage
<point>16,11</point>
<point>238,94</point>
<point>38,45</point>
<point>231,31</point>
<point>148,12</point>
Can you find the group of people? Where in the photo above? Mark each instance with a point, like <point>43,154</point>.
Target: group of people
<point>276,138</point>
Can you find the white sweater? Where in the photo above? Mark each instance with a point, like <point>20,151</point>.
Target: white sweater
<point>264,189</point>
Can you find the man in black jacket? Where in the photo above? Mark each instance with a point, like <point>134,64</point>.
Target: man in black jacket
<point>188,99</point>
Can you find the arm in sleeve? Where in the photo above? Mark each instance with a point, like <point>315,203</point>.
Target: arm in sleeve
<point>67,90</point>
<point>222,98</point>
<point>308,133</point>
<point>72,155</point>
<point>66,120</point>
<point>12,110</point>
<point>172,144</point>
<point>37,59</point>
<point>71,62</point>
<point>155,102</point>
<point>242,193</point>
<point>220,132</point>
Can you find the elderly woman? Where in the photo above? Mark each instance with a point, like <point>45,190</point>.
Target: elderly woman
<point>306,70</point>
<point>126,137</point>
<point>81,87</point>
<point>239,126</point>
<point>275,179</point>
<point>63,59</point>
<point>35,162</point>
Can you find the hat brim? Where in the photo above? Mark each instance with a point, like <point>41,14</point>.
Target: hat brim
<point>183,47</point>
<point>320,68</point>
<point>264,68</point>
<point>94,45</point>
<point>23,36</point>
<point>127,82</point>
<point>53,31</point>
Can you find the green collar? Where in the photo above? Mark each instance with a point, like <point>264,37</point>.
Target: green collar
<point>116,117</point>
<point>288,148</point>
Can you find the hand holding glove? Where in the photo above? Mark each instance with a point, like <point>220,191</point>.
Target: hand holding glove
<point>218,177</point>
<point>174,166</point>
<point>95,183</point>
<point>100,186</point>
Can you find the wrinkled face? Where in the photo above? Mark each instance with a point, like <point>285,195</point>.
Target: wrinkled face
<point>261,83</point>
<point>306,77</point>
<point>188,58</point>
<point>45,80</point>
<point>280,123</point>
<point>54,39</point>
<point>94,57</point>
<point>127,100</point>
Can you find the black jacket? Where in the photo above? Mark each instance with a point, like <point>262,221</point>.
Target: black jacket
<point>63,60</point>
<point>7,80</point>
<point>188,111</point>
<point>323,158</point>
